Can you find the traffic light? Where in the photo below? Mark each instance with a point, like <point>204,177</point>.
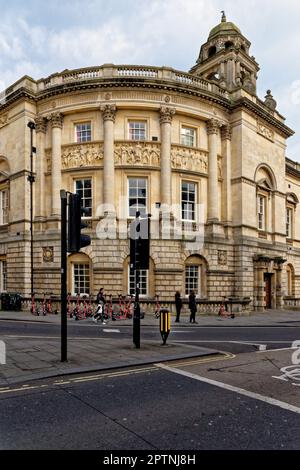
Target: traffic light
<point>140,243</point>
<point>76,240</point>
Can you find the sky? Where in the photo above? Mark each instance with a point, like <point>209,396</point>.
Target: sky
<point>38,38</point>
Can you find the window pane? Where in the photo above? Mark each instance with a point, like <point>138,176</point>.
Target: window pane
<point>81,279</point>
<point>137,200</point>
<point>84,189</point>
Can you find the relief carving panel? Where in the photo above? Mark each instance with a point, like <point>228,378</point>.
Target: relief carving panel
<point>191,159</point>
<point>137,153</point>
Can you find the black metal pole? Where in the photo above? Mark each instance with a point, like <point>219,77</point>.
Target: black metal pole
<point>64,201</point>
<point>137,310</point>
<point>31,180</point>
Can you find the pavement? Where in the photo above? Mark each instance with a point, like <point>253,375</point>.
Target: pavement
<point>31,357</point>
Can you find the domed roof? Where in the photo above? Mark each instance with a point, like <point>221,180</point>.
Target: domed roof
<point>224,27</point>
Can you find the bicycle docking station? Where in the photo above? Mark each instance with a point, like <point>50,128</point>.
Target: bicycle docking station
<point>165,324</point>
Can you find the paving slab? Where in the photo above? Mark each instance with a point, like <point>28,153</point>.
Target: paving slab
<point>84,356</point>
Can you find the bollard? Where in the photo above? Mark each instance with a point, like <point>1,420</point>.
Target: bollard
<point>165,324</point>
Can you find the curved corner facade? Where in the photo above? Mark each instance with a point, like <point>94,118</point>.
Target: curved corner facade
<point>199,151</point>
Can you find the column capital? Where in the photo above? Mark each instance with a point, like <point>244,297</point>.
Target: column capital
<point>213,126</point>
<point>166,114</point>
<point>41,124</point>
<point>109,112</point>
<point>56,120</point>
<point>226,132</point>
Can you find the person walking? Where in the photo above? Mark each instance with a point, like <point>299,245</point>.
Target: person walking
<point>100,307</point>
<point>192,307</point>
<point>178,304</point>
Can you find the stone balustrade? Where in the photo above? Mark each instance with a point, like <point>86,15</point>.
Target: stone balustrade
<point>148,306</point>
<point>138,72</point>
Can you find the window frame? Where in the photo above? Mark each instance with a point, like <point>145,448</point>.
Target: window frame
<point>128,195</point>
<point>263,214</point>
<point>195,219</point>
<point>88,178</point>
<point>86,264</point>
<point>143,273</point>
<point>4,194</point>
<point>290,225</point>
<point>76,124</point>
<point>198,290</point>
<point>3,280</point>
<point>183,136</point>
<point>137,121</point>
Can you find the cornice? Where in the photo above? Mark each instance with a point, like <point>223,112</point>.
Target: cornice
<point>292,171</point>
<point>148,83</point>
<point>264,114</point>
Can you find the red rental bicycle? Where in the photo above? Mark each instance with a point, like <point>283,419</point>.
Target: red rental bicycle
<point>34,307</point>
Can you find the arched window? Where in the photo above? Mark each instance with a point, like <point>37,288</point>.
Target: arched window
<point>80,274</point>
<point>195,276</point>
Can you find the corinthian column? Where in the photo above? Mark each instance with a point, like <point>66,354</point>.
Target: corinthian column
<point>226,188</point>
<point>109,117</point>
<point>213,197</point>
<point>166,116</point>
<point>57,123</point>
<point>41,129</point>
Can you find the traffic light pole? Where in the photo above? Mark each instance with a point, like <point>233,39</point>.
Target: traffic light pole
<point>137,311</point>
<point>64,203</point>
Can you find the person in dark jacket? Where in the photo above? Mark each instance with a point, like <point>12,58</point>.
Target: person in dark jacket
<point>178,304</point>
<point>192,307</point>
<point>101,296</point>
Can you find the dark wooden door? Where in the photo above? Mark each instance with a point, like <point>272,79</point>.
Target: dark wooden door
<point>268,290</point>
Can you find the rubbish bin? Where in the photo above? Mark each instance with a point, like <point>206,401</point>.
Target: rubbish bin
<point>11,302</point>
<point>5,301</point>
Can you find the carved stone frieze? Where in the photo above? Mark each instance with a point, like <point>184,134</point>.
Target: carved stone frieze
<point>191,159</point>
<point>78,156</point>
<point>265,131</point>
<point>139,153</point>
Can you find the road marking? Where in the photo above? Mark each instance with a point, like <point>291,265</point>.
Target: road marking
<point>111,331</point>
<point>240,391</point>
<point>275,350</point>
<point>219,357</point>
<point>22,389</point>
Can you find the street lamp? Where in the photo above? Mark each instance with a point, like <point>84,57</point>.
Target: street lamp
<point>31,179</point>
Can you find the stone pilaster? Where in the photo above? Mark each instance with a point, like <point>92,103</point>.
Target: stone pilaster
<point>166,116</point>
<point>226,134</point>
<point>41,129</point>
<point>213,126</point>
<point>109,117</point>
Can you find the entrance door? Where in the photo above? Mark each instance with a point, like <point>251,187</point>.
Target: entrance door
<point>268,290</point>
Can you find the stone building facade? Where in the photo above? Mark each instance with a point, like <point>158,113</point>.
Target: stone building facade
<point>200,147</point>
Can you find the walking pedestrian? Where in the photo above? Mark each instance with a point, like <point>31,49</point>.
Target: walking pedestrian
<point>192,307</point>
<point>99,314</point>
<point>178,304</point>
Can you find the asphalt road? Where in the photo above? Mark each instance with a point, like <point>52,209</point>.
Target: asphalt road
<point>226,338</point>
<point>145,408</point>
